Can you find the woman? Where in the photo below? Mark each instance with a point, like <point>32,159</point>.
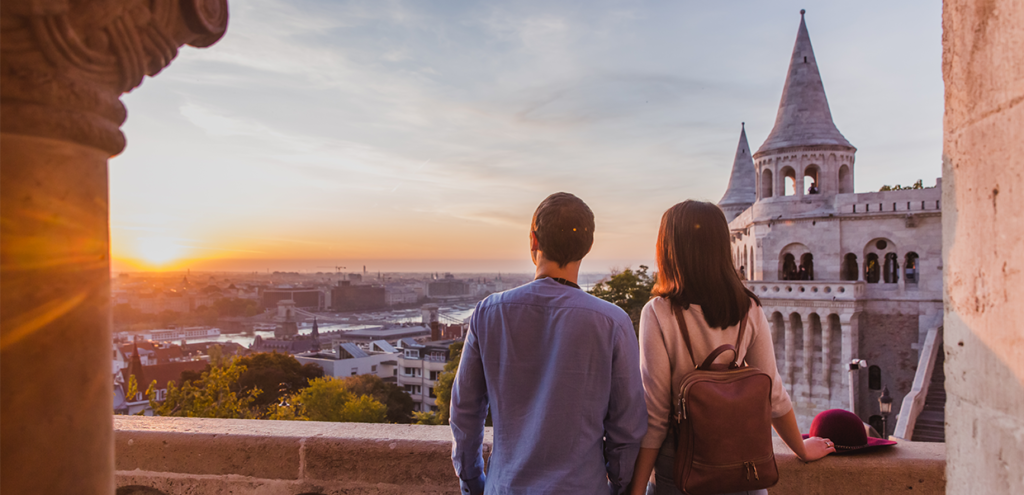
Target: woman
<point>695,271</point>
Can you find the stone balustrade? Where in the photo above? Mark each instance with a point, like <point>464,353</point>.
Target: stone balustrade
<point>177,456</point>
<point>807,289</point>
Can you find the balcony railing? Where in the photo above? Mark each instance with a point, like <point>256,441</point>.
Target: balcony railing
<point>190,455</point>
<point>807,289</point>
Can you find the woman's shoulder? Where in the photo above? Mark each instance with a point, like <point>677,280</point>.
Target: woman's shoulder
<point>658,304</point>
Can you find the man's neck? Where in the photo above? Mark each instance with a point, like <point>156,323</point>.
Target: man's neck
<point>547,268</point>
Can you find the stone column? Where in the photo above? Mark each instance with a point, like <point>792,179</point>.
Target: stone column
<point>790,352</point>
<point>848,323</point>
<point>63,68</point>
<point>826,354</point>
<point>982,235</point>
<point>808,352</point>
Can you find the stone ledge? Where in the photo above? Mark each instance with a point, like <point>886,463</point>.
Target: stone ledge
<point>221,456</point>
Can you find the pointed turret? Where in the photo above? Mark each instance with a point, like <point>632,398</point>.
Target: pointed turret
<point>804,118</point>
<point>742,191</point>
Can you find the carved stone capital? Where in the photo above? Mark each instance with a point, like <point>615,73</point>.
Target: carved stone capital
<point>65,63</point>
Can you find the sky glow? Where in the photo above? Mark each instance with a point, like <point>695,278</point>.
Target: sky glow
<point>421,136</point>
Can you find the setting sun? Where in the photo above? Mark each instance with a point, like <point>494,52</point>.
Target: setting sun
<point>159,251</point>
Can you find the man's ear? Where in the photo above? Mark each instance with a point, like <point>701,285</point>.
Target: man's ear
<point>534,243</point>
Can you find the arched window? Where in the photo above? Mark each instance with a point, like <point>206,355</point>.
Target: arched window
<point>766,184</point>
<point>872,270</point>
<point>849,271</point>
<point>874,378</point>
<point>788,185</point>
<point>789,269</point>
<point>910,274</point>
<point>890,272</point>
<point>811,183</point>
<point>806,270</point>
<point>845,180</point>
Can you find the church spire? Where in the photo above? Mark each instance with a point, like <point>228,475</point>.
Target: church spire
<point>804,118</point>
<point>741,192</point>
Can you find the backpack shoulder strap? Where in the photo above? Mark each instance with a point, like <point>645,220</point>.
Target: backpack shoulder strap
<point>678,310</point>
<point>739,340</point>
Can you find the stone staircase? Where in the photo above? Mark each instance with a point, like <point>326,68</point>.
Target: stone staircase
<point>931,423</point>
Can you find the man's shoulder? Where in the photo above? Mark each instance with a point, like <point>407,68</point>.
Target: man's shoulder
<point>574,299</point>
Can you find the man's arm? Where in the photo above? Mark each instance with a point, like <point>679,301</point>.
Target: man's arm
<point>626,423</point>
<point>468,414</point>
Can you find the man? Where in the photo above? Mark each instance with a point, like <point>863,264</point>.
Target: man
<point>559,370</point>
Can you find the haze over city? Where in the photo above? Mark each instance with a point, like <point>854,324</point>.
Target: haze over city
<point>411,137</point>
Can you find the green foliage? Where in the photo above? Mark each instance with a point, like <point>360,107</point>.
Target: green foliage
<point>917,185</point>
<point>364,409</point>
<point>399,404</point>
<point>629,290</point>
<point>210,397</point>
<point>133,388</point>
<point>277,375</point>
<point>443,386</point>
<point>327,399</point>
<point>428,418</point>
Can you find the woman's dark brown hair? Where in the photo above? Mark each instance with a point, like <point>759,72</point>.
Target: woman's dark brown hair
<point>695,264</point>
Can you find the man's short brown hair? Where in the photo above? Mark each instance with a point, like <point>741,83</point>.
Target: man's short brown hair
<point>564,226</point>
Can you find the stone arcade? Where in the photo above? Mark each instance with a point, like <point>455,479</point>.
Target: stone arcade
<point>842,275</point>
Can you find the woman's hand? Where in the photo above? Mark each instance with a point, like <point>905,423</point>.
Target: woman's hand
<point>815,448</point>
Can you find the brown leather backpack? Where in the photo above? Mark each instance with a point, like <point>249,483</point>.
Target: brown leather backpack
<point>723,423</point>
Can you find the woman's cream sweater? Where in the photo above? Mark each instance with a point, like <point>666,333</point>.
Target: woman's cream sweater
<point>664,362</point>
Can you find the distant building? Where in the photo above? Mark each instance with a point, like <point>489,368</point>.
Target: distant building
<point>309,298</point>
<point>841,275</point>
<point>162,374</point>
<point>448,287</point>
<point>348,297</point>
<point>419,366</point>
<point>400,295</point>
<point>350,359</point>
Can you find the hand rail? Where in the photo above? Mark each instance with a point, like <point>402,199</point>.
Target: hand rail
<point>913,403</point>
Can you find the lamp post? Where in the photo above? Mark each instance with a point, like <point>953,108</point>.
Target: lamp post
<point>885,407</point>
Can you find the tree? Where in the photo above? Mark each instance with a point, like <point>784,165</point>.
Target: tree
<point>428,418</point>
<point>275,374</point>
<point>327,399</point>
<point>210,397</point>
<point>443,387</point>
<point>398,403</point>
<point>629,290</point>
<point>364,409</point>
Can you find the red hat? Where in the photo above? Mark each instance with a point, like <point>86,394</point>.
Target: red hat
<point>845,430</point>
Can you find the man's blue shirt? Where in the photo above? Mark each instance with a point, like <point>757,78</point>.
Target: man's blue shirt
<point>559,369</point>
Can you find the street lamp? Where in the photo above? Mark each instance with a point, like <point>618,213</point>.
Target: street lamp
<point>885,407</point>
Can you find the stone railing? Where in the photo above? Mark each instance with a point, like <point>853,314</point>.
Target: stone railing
<point>913,402</point>
<point>177,456</point>
<point>807,289</point>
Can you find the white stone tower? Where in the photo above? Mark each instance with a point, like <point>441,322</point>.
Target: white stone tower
<point>742,190</point>
<point>804,146</point>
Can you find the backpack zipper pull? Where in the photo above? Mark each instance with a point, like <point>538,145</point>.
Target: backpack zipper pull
<point>682,405</point>
<point>752,466</point>
<point>746,469</point>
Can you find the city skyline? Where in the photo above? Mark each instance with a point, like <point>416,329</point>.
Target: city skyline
<point>395,136</point>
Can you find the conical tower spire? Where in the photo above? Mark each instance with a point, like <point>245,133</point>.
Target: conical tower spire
<point>742,191</point>
<point>804,118</point>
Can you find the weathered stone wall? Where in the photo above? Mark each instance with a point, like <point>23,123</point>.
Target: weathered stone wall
<point>888,340</point>
<point>983,236</point>
<point>179,456</point>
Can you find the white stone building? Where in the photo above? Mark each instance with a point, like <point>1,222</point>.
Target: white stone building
<point>377,357</point>
<point>842,275</point>
<point>419,366</point>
